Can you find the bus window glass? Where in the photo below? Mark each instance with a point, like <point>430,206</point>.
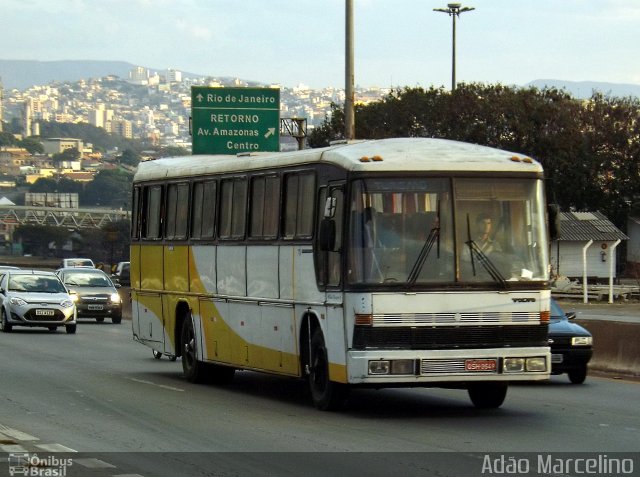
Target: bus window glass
<point>290,205</point>
<point>135,214</point>
<point>182,211</point>
<point>257,207</point>
<point>239,213</point>
<point>272,207</point>
<point>265,195</point>
<point>305,206</point>
<point>208,209</point>
<point>299,205</point>
<point>500,225</point>
<point>233,208</point>
<point>401,232</point>
<point>153,211</point>
<point>172,203</point>
<point>196,210</point>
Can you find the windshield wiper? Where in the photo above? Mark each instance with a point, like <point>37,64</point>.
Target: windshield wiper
<point>488,265</point>
<point>434,234</point>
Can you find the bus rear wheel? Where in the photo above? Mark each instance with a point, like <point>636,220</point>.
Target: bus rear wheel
<point>326,395</point>
<point>193,369</point>
<point>487,395</point>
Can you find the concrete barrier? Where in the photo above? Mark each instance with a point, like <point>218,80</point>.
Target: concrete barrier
<point>616,347</point>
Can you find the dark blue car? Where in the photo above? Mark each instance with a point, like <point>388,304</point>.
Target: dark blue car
<point>571,345</point>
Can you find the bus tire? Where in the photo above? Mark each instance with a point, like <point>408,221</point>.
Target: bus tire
<point>326,394</point>
<point>487,395</point>
<point>194,370</point>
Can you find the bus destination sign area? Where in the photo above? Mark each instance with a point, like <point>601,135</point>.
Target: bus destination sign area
<point>235,120</point>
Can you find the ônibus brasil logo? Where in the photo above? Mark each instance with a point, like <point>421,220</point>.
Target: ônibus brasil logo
<point>33,465</point>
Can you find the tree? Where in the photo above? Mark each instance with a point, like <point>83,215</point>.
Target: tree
<point>110,188</point>
<point>68,155</point>
<point>7,139</point>
<point>590,150</point>
<point>32,144</point>
<point>37,238</point>
<point>130,157</point>
<point>47,184</point>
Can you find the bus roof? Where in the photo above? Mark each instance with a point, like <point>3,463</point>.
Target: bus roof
<point>383,155</point>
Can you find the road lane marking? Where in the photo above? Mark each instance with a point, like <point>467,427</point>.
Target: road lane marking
<point>16,434</point>
<point>143,381</point>
<point>55,448</point>
<point>13,448</point>
<point>92,463</point>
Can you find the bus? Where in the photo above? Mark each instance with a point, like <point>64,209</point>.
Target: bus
<point>378,263</point>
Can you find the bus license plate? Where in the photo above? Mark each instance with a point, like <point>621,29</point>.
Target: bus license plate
<point>480,365</point>
<point>44,312</point>
<point>95,307</point>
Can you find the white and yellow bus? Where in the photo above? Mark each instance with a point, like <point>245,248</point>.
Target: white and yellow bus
<point>384,263</point>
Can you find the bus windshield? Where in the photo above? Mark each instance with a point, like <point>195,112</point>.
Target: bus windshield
<point>444,231</point>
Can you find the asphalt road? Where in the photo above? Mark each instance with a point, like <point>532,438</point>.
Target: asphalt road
<point>101,394</point>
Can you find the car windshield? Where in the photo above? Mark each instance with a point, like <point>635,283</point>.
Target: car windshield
<point>557,314</point>
<point>87,280</point>
<point>35,284</point>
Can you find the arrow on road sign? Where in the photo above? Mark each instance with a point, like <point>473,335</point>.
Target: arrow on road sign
<point>270,132</point>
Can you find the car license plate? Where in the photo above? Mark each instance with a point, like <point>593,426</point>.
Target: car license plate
<point>44,312</point>
<point>95,307</point>
<point>480,365</point>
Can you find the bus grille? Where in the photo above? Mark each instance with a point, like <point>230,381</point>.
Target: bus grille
<point>447,337</point>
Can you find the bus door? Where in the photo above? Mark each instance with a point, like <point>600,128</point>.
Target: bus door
<point>329,260</point>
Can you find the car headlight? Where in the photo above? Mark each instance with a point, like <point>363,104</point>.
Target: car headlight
<point>115,298</point>
<point>581,341</point>
<point>66,303</point>
<point>17,301</point>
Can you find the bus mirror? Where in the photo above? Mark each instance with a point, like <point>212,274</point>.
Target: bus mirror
<point>327,239</point>
<point>330,208</point>
<point>553,214</point>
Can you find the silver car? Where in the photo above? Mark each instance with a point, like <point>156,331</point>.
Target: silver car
<point>35,298</point>
<point>96,295</point>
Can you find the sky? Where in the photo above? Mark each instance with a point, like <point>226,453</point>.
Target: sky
<point>398,43</point>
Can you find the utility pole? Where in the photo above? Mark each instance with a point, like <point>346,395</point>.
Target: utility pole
<point>454,10</point>
<point>349,113</point>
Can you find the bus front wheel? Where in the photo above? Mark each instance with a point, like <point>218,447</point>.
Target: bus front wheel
<point>487,395</point>
<point>327,395</point>
<point>193,369</point>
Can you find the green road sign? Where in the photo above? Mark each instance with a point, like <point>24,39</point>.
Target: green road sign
<point>234,120</point>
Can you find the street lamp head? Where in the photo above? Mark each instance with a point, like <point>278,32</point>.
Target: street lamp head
<point>454,5</point>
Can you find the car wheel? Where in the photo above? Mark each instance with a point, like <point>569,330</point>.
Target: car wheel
<point>71,329</point>
<point>116,320</point>
<point>157,354</point>
<point>578,376</point>
<point>173,357</point>
<point>4,324</point>
<point>487,395</point>
<point>52,328</point>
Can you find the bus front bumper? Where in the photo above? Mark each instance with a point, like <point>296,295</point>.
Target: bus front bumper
<point>400,367</point>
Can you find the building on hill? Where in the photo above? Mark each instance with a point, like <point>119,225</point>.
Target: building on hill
<point>57,145</point>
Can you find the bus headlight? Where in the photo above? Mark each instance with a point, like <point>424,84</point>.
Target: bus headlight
<point>392,366</point>
<point>536,365</point>
<point>513,365</point>
<point>379,367</point>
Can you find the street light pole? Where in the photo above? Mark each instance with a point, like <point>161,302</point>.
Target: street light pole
<point>454,10</point>
<point>349,107</point>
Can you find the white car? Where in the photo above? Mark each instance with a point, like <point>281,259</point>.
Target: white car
<point>35,298</point>
<point>77,262</point>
